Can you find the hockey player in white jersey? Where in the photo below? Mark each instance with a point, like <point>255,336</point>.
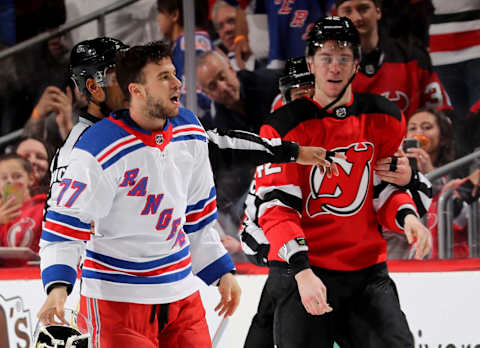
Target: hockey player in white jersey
<point>143,177</point>
<point>92,68</point>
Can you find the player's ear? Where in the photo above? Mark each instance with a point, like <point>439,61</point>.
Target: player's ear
<point>357,65</point>
<point>95,90</point>
<point>135,90</point>
<point>309,63</point>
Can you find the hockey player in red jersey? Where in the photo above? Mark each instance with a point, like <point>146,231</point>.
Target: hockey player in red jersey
<point>327,257</point>
<point>295,82</point>
<point>401,72</point>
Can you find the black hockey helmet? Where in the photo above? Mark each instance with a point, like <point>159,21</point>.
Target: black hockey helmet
<point>295,74</point>
<point>61,336</point>
<point>340,29</point>
<point>92,59</point>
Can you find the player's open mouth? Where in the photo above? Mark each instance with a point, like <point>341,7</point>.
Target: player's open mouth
<point>175,99</point>
<point>334,81</point>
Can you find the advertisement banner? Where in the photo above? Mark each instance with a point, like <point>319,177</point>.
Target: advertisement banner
<point>442,309</point>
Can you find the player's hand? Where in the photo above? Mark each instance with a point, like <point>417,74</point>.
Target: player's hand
<point>312,292</point>
<point>395,171</point>
<point>415,231</point>
<point>230,243</point>
<point>315,155</point>
<point>54,306</point>
<point>230,295</point>
<point>10,210</point>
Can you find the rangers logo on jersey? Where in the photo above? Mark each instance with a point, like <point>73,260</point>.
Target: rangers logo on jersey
<point>331,195</point>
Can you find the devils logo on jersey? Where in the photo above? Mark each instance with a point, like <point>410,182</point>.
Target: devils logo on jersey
<point>344,194</point>
<point>21,233</point>
<point>399,98</point>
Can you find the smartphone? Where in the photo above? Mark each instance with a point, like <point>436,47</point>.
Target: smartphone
<point>408,143</point>
<point>14,190</point>
<point>465,192</point>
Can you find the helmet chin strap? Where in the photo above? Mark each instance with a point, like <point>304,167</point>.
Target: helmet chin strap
<point>340,95</point>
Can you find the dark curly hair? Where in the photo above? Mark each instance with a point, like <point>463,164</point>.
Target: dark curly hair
<point>130,62</point>
<point>446,147</point>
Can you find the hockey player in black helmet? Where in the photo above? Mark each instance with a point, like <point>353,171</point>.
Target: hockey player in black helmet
<point>296,75</point>
<point>92,68</point>
<point>328,277</point>
<point>342,32</point>
<point>92,65</point>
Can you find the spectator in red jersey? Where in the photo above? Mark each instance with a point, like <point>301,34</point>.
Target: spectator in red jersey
<point>21,213</point>
<point>399,71</point>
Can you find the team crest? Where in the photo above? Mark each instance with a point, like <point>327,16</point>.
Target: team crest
<point>345,194</point>
<point>159,139</point>
<point>399,98</point>
<point>341,111</point>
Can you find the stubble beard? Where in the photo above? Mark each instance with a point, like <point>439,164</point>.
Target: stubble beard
<point>154,109</point>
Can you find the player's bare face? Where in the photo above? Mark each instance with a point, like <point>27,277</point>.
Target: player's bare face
<point>363,13</point>
<point>332,65</point>
<point>219,81</point>
<point>162,90</point>
<point>424,123</point>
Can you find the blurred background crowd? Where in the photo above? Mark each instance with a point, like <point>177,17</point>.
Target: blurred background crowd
<point>423,55</point>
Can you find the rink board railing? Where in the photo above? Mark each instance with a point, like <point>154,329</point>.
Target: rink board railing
<point>440,299</point>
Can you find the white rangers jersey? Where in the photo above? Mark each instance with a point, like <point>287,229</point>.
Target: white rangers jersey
<point>62,155</point>
<point>151,198</point>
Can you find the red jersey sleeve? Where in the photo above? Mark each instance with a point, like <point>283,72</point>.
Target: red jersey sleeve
<point>389,199</point>
<point>278,185</point>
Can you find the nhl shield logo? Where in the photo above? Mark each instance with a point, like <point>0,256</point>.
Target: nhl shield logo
<point>341,112</point>
<point>369,69</point>
<point>159,139</point>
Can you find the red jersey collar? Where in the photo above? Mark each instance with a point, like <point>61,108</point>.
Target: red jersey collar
<point>159,139</point>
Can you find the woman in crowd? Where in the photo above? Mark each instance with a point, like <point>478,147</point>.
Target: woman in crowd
<point>38,153</point>
<point>437,148</point>
<point>21,211</point>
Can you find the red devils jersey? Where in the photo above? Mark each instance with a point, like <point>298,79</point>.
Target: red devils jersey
<point>338,216</point>
<point>25,230</point>
<point>403,74</point>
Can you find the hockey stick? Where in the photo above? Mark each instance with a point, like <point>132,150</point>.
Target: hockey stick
<point>219,333</point>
